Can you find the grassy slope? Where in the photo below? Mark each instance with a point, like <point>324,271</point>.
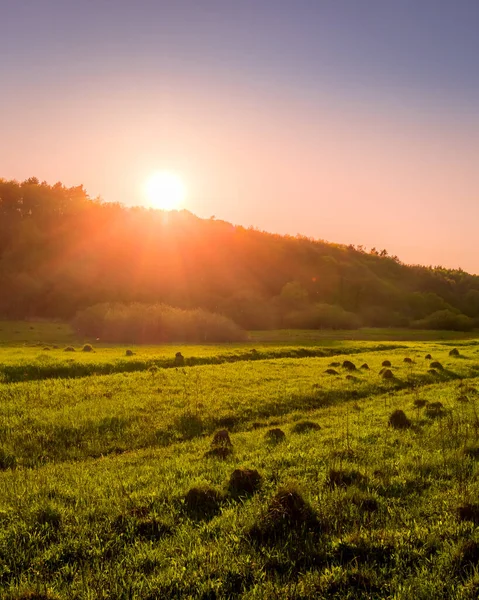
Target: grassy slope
<point>95,507</point>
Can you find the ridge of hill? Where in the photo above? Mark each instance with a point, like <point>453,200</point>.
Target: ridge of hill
<point>61,251</point>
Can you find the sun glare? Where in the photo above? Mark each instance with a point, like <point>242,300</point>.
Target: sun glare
<point>165,190</point>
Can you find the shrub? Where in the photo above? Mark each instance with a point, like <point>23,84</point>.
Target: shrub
<point>408,360</point>
<point>129,353</point>
<point>454,352</point>
<point>428,357</point>
<point>436,365</point>
<point>350,366</point>
<point>331,372</point>
<point>69,349</point>
<point>398,420</point>
<point>87,348</point>
<point>156,323</point>
<point>386,363</point>
<point>322,316</point>
<point>387,374</point>
<point>445,319</point>
<point>364,366</point>
<point>244,482</point>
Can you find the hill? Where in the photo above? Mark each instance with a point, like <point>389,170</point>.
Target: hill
<point>61,251</point>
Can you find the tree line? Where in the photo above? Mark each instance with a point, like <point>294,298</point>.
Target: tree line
<point>62,252</point>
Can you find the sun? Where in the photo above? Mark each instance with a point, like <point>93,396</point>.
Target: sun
<point>165,190</point>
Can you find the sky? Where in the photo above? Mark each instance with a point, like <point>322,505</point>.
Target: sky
<point>355,122</point>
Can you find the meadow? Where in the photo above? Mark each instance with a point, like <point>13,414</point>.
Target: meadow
<point>113,483</point>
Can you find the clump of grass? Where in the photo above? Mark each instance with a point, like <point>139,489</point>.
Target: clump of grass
<point>221,438</point>
<point>466,556</point>
<point>137,524</point>
<point>331,372</point>
<point>221,446</point>
<point>386,363</point>
<point>340,584</point>
<point>179,359</point>
<point>420,403</point>
<point>436,365</point>
<point>288,513</point>
<point>49,516</point>
<point>344,478</point>
<point>364,501</point>
<point>469,512</point>
<point>275,435</point>
<point>434,410</point>
<point>87,348</point>
<point>189,425</point>
<point>7,460</point>
<point>387,374</point>
<point>350,366</point>
<point>203,502</point>
<point>34,595</point>
<point>364,366</point>
<point>129,352</point>
<point>472,452</point>
<point>69,349</point>
<point>221,452</point>
<point>244,482</point>
<point>398,420</point>
<point>305,426</point>
<point>454,352</point>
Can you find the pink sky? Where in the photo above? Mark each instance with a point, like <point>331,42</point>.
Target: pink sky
<point>339,153</point>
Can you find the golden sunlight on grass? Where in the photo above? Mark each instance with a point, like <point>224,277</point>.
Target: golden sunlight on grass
<point>165,190</point>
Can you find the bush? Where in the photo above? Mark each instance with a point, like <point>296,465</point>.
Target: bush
<point>87,348</point>
<point>154,323</point>
<point>445,319</point>
<point>322,316</point>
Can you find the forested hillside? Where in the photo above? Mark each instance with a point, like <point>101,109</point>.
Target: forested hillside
<point>61,251</point>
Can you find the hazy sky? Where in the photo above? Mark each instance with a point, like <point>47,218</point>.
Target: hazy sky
<point>354,121</point>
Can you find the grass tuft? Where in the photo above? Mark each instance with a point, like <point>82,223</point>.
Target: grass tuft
<point>398,420</point>
<point>244,482</point>
<point>305,427</point>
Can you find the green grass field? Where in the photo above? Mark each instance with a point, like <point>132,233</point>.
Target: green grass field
<point>111,485</point>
